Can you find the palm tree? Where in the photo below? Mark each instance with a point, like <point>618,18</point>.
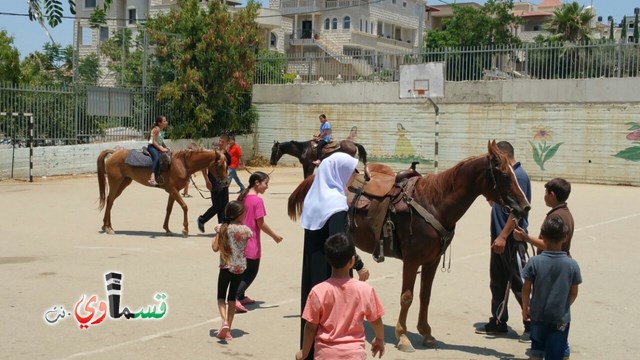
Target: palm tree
<point>570,22</point>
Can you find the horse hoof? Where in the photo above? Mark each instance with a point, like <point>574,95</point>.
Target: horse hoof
<point>185,233</point>
<point>430,343</point>
<point>108,230</point>
<point>406,347</point>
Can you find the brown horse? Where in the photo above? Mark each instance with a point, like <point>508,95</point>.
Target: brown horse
<point>446,196</point>
<point>305,152</point>
<point>183,164</point>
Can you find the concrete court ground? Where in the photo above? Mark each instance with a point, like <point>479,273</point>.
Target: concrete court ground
<point>53,252</point>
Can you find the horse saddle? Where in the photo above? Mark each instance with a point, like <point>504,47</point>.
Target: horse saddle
<point>142,158</point>
<point>329,147</point>
<point>378,193</point>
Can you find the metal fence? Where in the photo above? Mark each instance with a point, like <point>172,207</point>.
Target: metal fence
<point>65,115</point>
<point>526,61</point>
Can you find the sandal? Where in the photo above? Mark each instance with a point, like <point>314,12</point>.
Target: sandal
<point>153,183</point>
<point>186,195</point>
<point>224,333</point>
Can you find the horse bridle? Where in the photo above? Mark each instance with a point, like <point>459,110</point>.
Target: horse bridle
<point>492,176</point>
<point>278,151</point>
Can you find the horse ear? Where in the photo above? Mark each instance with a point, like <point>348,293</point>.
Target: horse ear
<point>492,147</point>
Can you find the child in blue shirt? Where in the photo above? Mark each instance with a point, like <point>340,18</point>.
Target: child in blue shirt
<point>554,277</point>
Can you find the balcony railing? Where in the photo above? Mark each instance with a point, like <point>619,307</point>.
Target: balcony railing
<point>304,6</point>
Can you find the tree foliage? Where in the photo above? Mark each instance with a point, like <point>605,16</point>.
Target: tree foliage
<point>53,11</point>
<point>9,59</point>
<point>570,22</point>
<point>472,26</point>
<point>212,53</point>
<point>54,65</point>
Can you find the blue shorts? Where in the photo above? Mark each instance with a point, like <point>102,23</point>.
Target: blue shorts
<point>549,339</point>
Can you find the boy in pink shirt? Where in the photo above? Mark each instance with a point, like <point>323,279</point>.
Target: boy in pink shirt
<point>336,308</point>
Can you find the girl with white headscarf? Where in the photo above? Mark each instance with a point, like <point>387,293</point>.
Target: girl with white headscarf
<point>324,213</point>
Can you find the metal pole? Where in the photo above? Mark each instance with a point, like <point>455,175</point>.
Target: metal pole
<point>76,60</point>
<point>437,134</point>
<point>421,5</point>
<point>31,148</point>
<point>145,44</point>
<point>13,144</point>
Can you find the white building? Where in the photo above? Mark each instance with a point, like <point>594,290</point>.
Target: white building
<point>343,30</point>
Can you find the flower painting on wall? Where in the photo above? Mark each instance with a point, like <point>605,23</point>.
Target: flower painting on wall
<point>632,153</point>
<point>543,148</point>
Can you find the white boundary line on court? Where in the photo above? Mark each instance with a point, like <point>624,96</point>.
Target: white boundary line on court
<point>193,326</point>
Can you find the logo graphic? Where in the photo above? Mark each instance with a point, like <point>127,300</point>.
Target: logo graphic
<point>95,311</point>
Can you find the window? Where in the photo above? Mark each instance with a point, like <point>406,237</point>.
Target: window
<point>87,34</point>
<point>132,16</point>
<point>366,26</point>
<point>346,23</point>
<point>404,4</point>
<point>334,23</point>
<point>273,41</point>
<point>394,2</point>
<point>327,23</point>
<point>536,28</point>
<point>89,3</point>
<point>104,33</point>
<point>630,25</point>
<point>360,24</point>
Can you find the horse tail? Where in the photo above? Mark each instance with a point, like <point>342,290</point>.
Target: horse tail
<point>101,176</point>
<point>296,199</point>
<point>362,153</point>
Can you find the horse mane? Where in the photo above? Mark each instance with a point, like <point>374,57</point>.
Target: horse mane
<point>296,199</point>
<point>437,186</point>
<point>300,144</point>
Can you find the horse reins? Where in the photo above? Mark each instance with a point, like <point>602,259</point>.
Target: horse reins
<point>197,188</point>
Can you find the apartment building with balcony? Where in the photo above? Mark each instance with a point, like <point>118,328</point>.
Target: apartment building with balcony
<point>351,32</point>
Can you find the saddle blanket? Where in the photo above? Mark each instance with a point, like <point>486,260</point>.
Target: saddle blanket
<point>138,158</point>
<point>141,158</point>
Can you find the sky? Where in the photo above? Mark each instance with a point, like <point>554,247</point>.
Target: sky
<point>29,36</point>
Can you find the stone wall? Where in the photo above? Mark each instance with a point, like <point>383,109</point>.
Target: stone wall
<point>577,129</point>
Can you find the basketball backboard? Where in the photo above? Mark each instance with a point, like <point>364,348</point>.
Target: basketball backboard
<point>422,80</point>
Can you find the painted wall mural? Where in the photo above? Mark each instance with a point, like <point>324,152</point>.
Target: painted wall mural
<point>403,151</point>
<point>632,153</point>
<point>543,149</point>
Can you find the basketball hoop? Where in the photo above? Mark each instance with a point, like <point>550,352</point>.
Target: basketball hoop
<point>420,92</point>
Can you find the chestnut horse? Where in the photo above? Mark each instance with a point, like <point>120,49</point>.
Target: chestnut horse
<point>305,152</point>
<point>183,164</point>
<point>446,196</point>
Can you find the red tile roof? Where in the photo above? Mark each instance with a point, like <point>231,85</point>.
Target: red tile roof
<point>550,3</point>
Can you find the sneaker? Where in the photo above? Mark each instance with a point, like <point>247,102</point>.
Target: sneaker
<point>247,301</point>
<point>525,337</point>
<point>200,225</point>
<point>240,308</point>
<point>492,328</point>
